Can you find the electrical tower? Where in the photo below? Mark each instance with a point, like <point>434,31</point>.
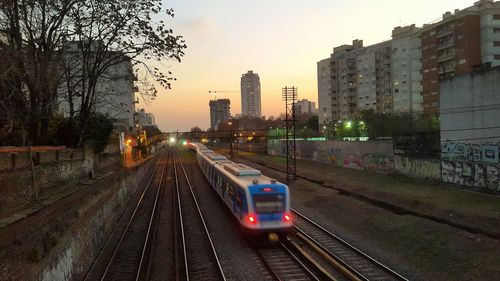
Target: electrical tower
<point>289,95</point>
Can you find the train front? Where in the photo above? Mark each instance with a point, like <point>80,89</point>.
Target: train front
<point>269,212</point>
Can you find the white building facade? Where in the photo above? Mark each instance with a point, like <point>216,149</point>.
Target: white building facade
<point>405,68</point>
<point>305,107</point>
<point>324,91</point>
<point>114,92</point>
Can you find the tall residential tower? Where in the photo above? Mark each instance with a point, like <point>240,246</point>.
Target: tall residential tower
<point>250,95</point>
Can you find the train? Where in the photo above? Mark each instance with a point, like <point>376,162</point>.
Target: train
<point>260,204</point>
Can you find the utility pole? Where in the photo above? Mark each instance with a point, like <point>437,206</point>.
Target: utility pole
<point>289,95</point>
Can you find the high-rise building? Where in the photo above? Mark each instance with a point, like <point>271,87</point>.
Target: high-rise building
<point>250,94</point>
<point>405,70</point>
<point>324,91</point>
<point>305,107</point>
<point>343,73</point>
<point>219,111</point>
<point>360,79</point>
<point>458,44</point>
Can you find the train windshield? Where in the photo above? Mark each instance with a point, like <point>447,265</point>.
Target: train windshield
<point>269,203</point>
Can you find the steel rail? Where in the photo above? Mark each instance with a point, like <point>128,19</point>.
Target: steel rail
<point>129,223</point>
<point>114,228</point>
<point>304,267</point>
<point>351,247</point>
<point>150,224</point>
<point>186,266</point>
<point>214,251</point>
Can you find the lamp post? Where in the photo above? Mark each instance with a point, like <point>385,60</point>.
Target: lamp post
<point>231,139</point>
<point>383,124</point>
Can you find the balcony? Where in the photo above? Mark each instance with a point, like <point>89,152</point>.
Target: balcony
<point>446,44</point>
<point>446,57</point>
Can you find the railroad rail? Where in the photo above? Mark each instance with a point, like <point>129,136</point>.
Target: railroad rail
<point>283,264</point>
<point>125,260</point>
<point>346,258</point>
<point>194,245</point>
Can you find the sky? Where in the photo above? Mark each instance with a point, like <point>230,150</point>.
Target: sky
<point>281,40</point>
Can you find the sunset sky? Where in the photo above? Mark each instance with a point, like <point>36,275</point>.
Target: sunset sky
<point>281,40</point>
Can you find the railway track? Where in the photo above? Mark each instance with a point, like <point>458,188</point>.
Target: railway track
<point>127,259</point>
<point>196,256</point>
<point>283,264</point>
<point>344,257</point>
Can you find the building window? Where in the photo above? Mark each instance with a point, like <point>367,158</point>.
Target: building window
<point>496,17</point>
<point>497,57</point>
<point>462,61</point>
<point>496,44</point>
<point>496,30</point>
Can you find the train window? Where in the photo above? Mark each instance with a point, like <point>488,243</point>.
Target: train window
<point>239,199</point>
<point>229,189</point>
<point>269,203</point>
<point>219,181</point>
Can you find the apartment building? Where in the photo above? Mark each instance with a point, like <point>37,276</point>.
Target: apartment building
<point>403,75</point>
<point>343,73</point>
<point>360,79</point>
<point>406,70</point>
<point>324,91</point>
<point>305,106</point>
<point>457,45</point>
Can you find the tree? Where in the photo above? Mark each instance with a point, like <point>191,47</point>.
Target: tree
<point>34,31</point>
<point>110,34</point>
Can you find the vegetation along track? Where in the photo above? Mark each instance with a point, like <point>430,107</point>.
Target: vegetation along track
<point>196,255</point>
<point>352,262</point>
<point>127,259</point>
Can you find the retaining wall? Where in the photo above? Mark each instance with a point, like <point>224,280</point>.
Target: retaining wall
<point>80,244</point>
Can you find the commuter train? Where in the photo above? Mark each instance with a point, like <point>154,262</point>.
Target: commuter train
<point>260,204</point>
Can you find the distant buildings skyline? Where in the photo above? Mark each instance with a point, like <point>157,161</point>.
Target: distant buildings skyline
<point>402,75</point>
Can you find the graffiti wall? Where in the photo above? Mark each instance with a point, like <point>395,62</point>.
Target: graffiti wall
<point>470,164</point>
<point>376,156</point>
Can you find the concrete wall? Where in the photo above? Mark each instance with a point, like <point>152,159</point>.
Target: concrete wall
<point>470,131</point>
<point>472,165</point>
<point>374,156</point>
<point>377,156</point>
<point>418,167</point>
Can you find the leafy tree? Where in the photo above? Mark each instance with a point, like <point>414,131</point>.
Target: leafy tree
<point>41,72</point>
<point>313,123</point>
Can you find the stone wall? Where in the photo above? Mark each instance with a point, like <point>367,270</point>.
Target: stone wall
<point>54,168</point>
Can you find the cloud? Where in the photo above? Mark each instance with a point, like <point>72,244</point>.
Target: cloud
<point>203,26</point>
